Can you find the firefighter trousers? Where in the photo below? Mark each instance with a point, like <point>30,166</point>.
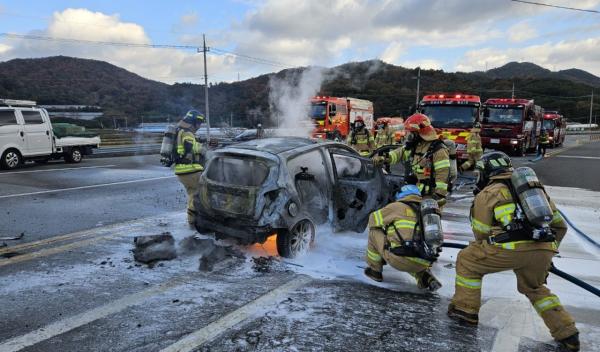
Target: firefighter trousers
<point>471,161</point>
<point>190,182</point>
<point>377,256</point>
<point>531,268</point>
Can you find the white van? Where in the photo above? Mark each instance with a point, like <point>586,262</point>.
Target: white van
<point>26,134</point>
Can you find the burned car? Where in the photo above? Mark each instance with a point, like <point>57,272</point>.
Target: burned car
<point>285,187</point>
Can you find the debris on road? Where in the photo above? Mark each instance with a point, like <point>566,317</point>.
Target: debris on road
<point>152,248</point>
<point>12,238</point>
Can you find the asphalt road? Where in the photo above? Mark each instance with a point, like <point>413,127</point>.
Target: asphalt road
<point>576,166</point>
<point>58,198</point>
<point>72,284</point>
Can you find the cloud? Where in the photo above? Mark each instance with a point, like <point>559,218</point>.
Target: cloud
<point>425,64</point>
<point>190,19</point>
<point>582,54</point>
<point>521,32</point>
<point>393,52</point>
<point>167,65</point>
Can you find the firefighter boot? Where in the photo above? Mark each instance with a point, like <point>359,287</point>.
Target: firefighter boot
<point>373,275</point>
<point>571,343</point>
<point>464,317</point>
<point>426,280</point>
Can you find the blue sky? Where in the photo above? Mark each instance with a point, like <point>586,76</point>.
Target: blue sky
<point>453,35</point>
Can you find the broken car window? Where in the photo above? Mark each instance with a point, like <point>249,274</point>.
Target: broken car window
<point>238,171</point>
<point>349,167</point>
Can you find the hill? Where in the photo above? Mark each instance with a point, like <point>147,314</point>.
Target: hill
<point>65,80</point>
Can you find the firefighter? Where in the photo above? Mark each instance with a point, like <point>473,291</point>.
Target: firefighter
<point>360,138</point>
<point>474,148</point>
<point>506,240</point>
<point>385,135</point>
<point>187,164</point>
<point>390,228</point>
<point>543,143</point>
<point>424,156</point>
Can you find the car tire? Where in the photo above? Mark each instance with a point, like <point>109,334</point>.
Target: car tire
<point>74,156</point>
<point>521,150</point>
<point>11,159</point>
<point>297,240</point>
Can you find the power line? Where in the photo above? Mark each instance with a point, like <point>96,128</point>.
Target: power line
<point>555,6</point>
<point>143,45</point>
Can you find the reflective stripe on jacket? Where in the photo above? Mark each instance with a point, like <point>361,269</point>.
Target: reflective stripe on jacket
<point>494,207</point>
<point>188,152</point>
<point>397,219</point>
<point>423,166</point>
<point>362,141</point>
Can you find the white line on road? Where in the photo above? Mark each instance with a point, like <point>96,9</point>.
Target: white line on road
<point>214,329</point>
<point>85,187</point>
<point>578,157</point>
<point>65,325</point>
<point>46,170</point>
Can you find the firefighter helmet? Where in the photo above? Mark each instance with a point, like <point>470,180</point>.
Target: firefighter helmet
<point>420,124</point>
<point>491,164</point>
<point>193,117</point>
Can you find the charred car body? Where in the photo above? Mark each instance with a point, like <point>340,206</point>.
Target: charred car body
<point>287,186</point>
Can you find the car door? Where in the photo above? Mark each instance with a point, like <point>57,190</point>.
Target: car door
<point>37,133</point>
<point>357,190</point>
<point>10,131</point>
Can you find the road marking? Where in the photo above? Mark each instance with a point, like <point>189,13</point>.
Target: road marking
<point>85,187</point>
<point>199,337</point>
<point>46,170</point>
<point>54,250</point>
<point>578,157</point>
<point>68,324</point>
<point>73,236</point>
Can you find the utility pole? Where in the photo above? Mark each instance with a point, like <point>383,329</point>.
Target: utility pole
<point>591,108</point>
<point>206,110</point>
<point>418,87</point>
<point>513,91</point>
<point>230,120</point>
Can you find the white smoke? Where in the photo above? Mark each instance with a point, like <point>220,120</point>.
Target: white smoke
<point>289,100</point>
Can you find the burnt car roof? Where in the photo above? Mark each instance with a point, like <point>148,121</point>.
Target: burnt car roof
<point>276,145</point>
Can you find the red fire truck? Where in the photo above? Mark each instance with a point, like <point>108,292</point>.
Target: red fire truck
<point>453,115</point>
<point>556,126</point>
<point>512,125</point>
<point>333,117</point>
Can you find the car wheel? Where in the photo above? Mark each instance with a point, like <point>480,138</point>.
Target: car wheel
<point>74,156</point>
<point>11,159</point>
<point>296,241</point>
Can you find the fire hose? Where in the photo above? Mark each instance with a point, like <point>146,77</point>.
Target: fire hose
<point>553,269</point>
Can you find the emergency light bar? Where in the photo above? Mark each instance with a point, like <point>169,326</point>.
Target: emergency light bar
<point>14,102</point>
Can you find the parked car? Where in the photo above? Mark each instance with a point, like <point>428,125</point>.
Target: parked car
<point>26,133</point>
<point>286,187</point>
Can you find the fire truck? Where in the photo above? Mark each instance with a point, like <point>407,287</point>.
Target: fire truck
<point>334,117</point>
<point>396,124</point>
<point>556,126</point>
<point>453,116</point>
<point>512,125</point>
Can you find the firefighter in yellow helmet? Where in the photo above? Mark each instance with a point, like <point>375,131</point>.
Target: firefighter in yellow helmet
<point>385,135</point>
<point>395,238</point>
<point>474,147</point>
<point>187,163</point>
<point>360,138</point>
<point>424,156</point>
<point>510,236</point>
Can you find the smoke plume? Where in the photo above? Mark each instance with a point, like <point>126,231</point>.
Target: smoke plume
<point>289,100</point>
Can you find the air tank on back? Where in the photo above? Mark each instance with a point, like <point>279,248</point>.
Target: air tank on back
<point>166,148</point>
<point>432,223</point>
<point>532,197</point>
